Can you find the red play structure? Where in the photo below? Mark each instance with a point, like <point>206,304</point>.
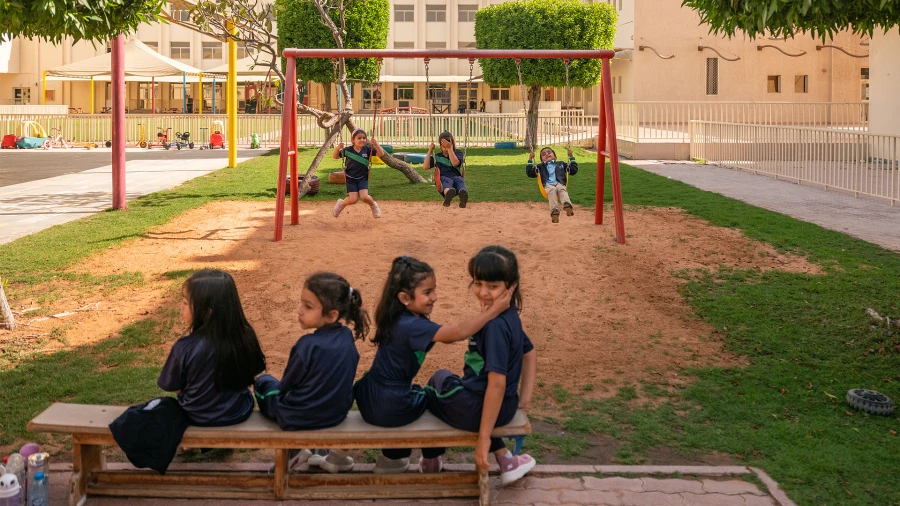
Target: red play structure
<point>607,147</point>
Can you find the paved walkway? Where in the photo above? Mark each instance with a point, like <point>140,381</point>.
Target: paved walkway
<point>868,220</point>
<point>32,206</point>
<point>579,486</point>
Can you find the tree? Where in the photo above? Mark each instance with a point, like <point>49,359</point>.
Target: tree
<point>52,20</point>
<point>543,24</point>
<point>341,20</point>
<point>784,18</point>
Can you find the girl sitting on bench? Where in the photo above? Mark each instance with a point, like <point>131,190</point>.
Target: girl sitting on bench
<point>316,389</point>
<point>499,355</point>
<point>212,368</point>
<point>386,395</point>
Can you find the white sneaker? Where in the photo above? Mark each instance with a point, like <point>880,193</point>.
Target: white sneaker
<point>376,211</point>
<point>298,458</point>
<point>514,467</point>
<point>337,461</point>
<point>317,457</point>
<point>338,207</point>
<point>385,465</point>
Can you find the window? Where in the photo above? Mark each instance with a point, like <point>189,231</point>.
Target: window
<point>499,93</point>
<point>180,50</point>
<point>468,45</point>
<point>404,13</point>
<point>774,84</point>
<point>467,13</point>
<point>243,51</point>
<point>436,45</point>
<point>404,45</point>
<point>404,91</point>
<point>712,76</point>
<point>152,45</point>
<point>179,14</point>
<point>108,48</point>
<point>864,73</point>
<point>50,94</point>
<point>176,92</point>
<point>21,96</point>
<point>801,84</point>
<point>437,91</point>
<point>436,13</point>
<point>471,96</point>
<point>212,50</point>
<point>865,91</point>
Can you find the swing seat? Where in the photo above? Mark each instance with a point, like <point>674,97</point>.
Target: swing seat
<point>504,145</point>
<point>541,186</point>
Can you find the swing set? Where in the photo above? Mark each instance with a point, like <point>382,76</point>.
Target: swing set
<point>606,140</point>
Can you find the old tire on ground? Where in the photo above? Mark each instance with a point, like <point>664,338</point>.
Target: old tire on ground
<point>504,145</point>
<point>387,148</point>
<point>415,158</point>
<point>870,401</point>
<point>337,177</point>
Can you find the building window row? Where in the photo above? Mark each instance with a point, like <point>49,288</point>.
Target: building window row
<point>210,50</point>
<point>434,13</point>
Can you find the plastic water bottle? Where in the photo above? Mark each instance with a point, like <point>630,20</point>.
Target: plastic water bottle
<point>15,465</point>
<point>10,490</point>
<point>39,491</point>
<point>37,464</point>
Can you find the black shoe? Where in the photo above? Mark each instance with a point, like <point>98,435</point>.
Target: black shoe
<point>554,215</point>
<point>569,210</point>
<point>448,197</point>
<point>463,197</point>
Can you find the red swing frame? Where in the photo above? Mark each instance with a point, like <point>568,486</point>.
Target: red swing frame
<point>606,148</point>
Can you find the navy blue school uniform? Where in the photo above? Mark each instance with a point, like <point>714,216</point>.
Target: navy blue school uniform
<point>189,371</point>
<point>450,175</point>
<point>498,347</point>
<point>316,390</point>
<point>386,395</point>
<point>357,167</point>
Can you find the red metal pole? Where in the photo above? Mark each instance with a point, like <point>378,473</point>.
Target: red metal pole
<point>118,122</point>
<point>287,123</point>
<point>295,180</point>
<point>613,153</point>
<point>152,95</point>
<point>601,158</point>
<point>562,54</point>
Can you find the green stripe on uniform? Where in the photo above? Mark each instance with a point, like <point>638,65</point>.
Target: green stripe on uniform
<point>444,395</point>
<point>353,156</point>
<point>443,160</point>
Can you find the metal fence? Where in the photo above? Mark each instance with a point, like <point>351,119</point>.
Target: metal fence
<point>864,164</point>
<point>669,121</point>
<point>399,129</point>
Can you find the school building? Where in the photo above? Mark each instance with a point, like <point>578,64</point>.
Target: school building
<point>663,54</point>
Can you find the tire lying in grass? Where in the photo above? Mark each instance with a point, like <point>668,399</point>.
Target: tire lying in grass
<point>416,158</point>
<point>504,145</point>
<point>870,401</point>
<point>387,148</point>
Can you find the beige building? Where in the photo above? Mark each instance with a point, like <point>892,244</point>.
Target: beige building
<point>664,54</point>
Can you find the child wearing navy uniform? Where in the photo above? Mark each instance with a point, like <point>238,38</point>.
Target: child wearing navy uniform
<point>554,177</point>
<point>212,368</point>
<point>386,395</point>
<point>356,169</point>
<point>499,355</point>
<point>316,389</point>
<point>448,163</point>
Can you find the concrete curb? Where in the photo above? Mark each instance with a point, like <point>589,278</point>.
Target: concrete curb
<point>773,488</point>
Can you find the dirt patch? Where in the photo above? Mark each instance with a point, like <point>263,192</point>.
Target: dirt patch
<point>595,310</point>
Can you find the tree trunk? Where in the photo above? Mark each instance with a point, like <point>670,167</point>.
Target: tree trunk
<point>332,135</point>
<point>326,97</point>
<point>531,121</point>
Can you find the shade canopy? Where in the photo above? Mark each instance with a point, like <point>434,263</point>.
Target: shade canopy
<point>140,61</point>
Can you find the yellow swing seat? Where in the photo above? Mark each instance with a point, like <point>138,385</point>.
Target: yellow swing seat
<point>541,186</point>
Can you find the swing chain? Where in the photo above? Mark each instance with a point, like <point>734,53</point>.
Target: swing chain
<point>568,110</point>
<point>376,98</point>
<point>337,89</point>
<point>524,105</point>
<point>428,101</point>
<point>466,129</point>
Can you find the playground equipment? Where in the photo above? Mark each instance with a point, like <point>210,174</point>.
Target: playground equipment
<point>607,147</point>
<point>183,139</point>
<point>217,139</point>
<point>162,138</point>
<point>56,140</point>
<point>143,142</point>
<point>254,141</point>
<point>29,135</point>
<point>9,142</point>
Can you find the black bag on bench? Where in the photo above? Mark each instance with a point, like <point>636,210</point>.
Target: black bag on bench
<point>150,433</point>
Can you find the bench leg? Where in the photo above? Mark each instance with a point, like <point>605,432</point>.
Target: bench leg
<point>281,472</point>
<point>484,488</point>
<point>85,460</point>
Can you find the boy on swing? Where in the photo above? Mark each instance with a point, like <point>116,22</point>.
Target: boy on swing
<point>554,177</point>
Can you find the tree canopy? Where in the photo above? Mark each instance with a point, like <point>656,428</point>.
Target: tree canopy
<point>544,24</point>
<point>784,18</point>
<point>366,24</point>
<point>52,20</point>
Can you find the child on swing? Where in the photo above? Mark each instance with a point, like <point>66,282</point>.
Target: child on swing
<point>448,162</point>
<point>356,168</point>
<point>554,176</point>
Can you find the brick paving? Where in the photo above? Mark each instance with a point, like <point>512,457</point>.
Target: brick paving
<point>868,220</point>
<point>703,489</point>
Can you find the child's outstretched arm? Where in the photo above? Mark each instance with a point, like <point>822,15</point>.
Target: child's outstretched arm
<point>337,151</point>
<point>427,163</point>
<point>493,399</point>
<point>573,165</point>
<point>530,168</point>
<point>529,372</point>
<point>378,149</point>
<point>466,328</point>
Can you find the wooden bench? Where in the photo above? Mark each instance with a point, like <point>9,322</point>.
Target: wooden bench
<point>89,426</point>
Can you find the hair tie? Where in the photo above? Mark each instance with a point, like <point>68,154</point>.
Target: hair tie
<point>351,291</point>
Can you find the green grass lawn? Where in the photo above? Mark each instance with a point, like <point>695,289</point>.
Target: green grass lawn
<point>807,338</point>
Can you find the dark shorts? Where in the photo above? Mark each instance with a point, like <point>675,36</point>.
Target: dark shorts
<point>388,405</point>
<point>455,182</point>
<point>461,408</point>
<point>355,185</point>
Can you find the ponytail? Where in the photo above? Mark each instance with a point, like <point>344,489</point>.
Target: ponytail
<point>357,315</point>
<point>335,294</point>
